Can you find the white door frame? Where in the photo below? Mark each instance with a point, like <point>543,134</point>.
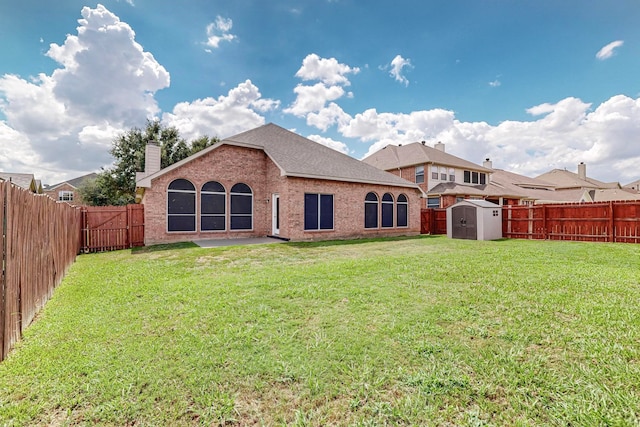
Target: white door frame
<point>275,214</point>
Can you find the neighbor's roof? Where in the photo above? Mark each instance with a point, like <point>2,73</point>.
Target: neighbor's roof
<point>24,180</point>
<point>75,182</point>
<point>297,156</point>
<point>393,157</point>
<point>504,177</point>
<point>635,185</point>
<point>564,179</point>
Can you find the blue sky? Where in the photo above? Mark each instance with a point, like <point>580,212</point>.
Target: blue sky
<point>533,85</point>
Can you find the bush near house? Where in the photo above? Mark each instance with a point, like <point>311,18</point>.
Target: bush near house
<point>419,331</point>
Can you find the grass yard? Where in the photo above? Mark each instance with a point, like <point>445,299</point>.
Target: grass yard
<point>420,331</point>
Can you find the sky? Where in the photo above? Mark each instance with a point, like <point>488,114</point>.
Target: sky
<point>531,85</point>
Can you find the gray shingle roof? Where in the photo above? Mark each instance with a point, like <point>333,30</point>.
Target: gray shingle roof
<point>24,180</point>
<point>75,182</point>
<point>564,179</point>
<point>399,156</point>
<point>297,156</point>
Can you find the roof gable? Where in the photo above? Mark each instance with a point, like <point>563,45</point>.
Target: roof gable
<point>393,157</point>
<point>565,179</point>
<point>75,182</point>
<point>297,156</point>
<point>24,180</point>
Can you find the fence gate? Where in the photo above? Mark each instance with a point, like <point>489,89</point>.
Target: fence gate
<point>110,228</point>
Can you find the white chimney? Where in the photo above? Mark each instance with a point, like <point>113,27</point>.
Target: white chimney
<point>439,146</point>
<point>151,158</point>
<point>582,171</point>
<point>487,163</point>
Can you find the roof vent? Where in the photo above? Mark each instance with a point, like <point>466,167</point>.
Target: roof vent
<point>399,145</point>
<point>424,142</point>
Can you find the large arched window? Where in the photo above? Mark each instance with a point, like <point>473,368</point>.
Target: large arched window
<point>241,207</point>
<point>213,207</point>
<point>402,211</point>
<point>181,206</point>
<point>387,210</point>
<point>371,211</point>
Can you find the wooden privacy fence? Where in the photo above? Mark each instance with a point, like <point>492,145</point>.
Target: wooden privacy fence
<point>109,228</point>
<point>40,240</point>
<point>595,222</point>
<point>433,221</point>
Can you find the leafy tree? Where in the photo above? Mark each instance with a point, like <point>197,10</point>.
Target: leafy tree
<point>116,185</point>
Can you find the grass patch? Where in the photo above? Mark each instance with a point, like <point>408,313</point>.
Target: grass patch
<point>422,331</point>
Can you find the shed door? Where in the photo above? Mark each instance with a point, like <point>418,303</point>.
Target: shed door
<point>463,221</point>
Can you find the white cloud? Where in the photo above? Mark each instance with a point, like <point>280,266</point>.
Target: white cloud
<point>328,116</point>
<point>105,82</point>
<point>327,70</point>
<point>311,101</point>
<point>218,31</point>
<point>313,98</point>
<point>495,83</point>
<point>331,143</point>
<point>398,64</point>
<point>221,117</point>
<point>609,50</point>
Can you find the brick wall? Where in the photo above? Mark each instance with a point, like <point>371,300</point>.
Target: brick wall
<point>230,165</point>
<point>348,206</point>
<point>77,200</point>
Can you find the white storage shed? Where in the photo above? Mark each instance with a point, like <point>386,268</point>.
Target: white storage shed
<point>474,220</point>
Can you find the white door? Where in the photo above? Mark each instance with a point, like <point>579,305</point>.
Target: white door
<point>275,220</point>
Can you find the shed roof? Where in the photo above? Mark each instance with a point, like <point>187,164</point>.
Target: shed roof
<point>476,202</point>
<point>297,156</point>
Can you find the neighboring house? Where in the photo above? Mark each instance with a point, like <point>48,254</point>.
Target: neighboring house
<point>24,180</point>
<point>565,180</point>
<point>431,167</point>
<point>269,181</point>
<point>67,191</point>
<point>504,188</point>
<point>578,187</point>
<point>633,186</point>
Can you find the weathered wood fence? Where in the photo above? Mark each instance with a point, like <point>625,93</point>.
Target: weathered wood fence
<point>40,241</point>
<point>110,228</point>
<point>593,222</point>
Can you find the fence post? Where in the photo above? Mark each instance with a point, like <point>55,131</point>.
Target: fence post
<point>611,230</point>
<point>544,222</point>
<point>3,248</point>
<point>128,242</point>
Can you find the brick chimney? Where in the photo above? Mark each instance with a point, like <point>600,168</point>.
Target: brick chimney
<point>439,146</point>
<point>582,171</point>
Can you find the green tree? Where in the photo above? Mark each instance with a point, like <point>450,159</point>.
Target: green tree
<point>116,185</point>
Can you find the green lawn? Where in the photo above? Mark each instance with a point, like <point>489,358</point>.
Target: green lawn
<point>421,331</point>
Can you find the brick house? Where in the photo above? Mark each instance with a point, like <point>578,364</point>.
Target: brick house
<point>269,181</point>
<point>431,168</point>
<point>67,191</point>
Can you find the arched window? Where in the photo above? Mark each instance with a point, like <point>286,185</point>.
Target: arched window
<point>371,211</point>
<point>213,207</point>
<point>181,206</point>
<point>241,207</point>
<point>387,210</point>
<point>402,211</point>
